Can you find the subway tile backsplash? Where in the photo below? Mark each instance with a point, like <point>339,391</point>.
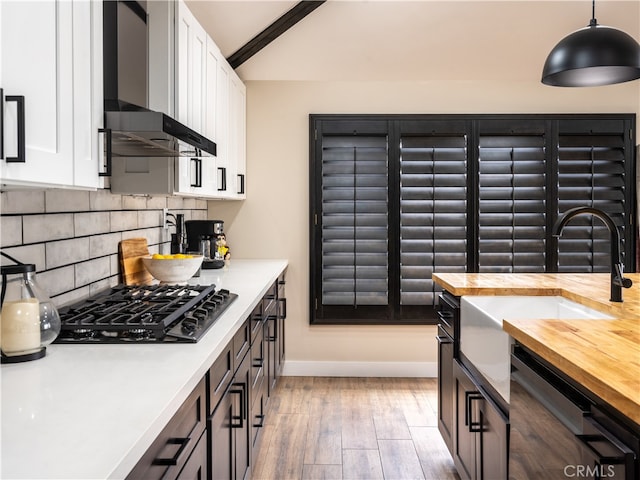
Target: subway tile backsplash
<point>72,236</point>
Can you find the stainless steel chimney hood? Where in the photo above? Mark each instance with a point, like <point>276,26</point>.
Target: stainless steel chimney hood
<point>131,129</point>
<point>146,133</point>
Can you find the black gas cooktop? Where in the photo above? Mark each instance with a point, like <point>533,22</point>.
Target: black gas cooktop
<point>144,314</point>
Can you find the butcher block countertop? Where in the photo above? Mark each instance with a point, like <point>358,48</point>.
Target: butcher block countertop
<point>601,355</point>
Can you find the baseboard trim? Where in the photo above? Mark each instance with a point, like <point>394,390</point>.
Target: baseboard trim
<point>294,368</point>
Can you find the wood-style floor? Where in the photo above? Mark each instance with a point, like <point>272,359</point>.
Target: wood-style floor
<point>353,428</point>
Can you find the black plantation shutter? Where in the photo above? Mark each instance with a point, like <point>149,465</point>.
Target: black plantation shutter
<point>395,198</point>
<point>511,197</point>
<point>591,172</point>
<point>354,220</point>
<point>433,206</point>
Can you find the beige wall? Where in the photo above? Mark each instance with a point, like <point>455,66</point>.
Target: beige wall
<point>273,221</point>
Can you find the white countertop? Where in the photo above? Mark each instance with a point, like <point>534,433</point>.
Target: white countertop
<point>91,411</point>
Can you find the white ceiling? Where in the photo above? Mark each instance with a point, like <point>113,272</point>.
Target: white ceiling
<point>407,40</point>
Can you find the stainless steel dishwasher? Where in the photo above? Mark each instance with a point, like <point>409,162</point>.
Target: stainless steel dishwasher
<point>558,432</point>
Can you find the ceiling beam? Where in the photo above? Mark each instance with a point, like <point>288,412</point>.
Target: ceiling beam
<point>273,31</point>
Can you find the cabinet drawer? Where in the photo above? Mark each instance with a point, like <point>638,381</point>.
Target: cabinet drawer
<point>258,411</point>
<point>196,466</point>
<point>168,454</point>
<point>258,360</point>
<point>220,375</point>
<point>256,322</point>
<point>270,298</point>
<point>241,343</point>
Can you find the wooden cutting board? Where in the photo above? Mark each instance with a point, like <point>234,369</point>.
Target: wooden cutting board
<point>130,253</point>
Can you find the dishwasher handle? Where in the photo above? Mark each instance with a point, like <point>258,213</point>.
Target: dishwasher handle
<point>604,448</point>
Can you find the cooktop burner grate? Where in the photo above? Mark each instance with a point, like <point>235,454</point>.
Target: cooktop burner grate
<point>144,314</point>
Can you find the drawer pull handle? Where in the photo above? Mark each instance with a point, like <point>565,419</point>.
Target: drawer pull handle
<point>237,421</point>
<point>183,442</point>
<point>222,382</point>
<point>261,423</point>
<point>21,156</point>
<point>468,417</point>
<point>241,183</point>
<point>222,179</point>
<point>108,153</point>
<point>198,172</point>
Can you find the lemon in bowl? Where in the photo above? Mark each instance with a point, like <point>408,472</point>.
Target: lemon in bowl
<point>172,268</point>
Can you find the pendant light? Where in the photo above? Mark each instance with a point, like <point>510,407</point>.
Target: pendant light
<point>592,56</point>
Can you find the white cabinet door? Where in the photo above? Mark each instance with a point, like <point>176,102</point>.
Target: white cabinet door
<point>37,64</point>
<point>213,61</point>
<point>238,140</point>
<point>191,72</point>
<point>88,94</point>
<point>196,176</point>
<point>223,77</point>
<point>46,58</point>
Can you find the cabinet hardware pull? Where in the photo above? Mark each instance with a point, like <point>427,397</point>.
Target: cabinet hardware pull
<point>602,459</point>
<point>108,154</point>
<point>443,339</point>
<point>283,302</point>
<point>222,382</point>
<point>258,362</point>
<point>261,424</point>
<point>222,172</point>
<point>183,442</point>
<point>243,405</point>
<point>603,436</point>
<point>468,414</point>
<point>241,178</point>
<point>21,157</point>
<point>198,164</point>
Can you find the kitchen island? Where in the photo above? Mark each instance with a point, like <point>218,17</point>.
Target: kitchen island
<point>89,412</point>
<point>601,355</point>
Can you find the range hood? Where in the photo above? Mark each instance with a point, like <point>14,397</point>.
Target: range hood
<point>146,133</point>
<point>132,129</point>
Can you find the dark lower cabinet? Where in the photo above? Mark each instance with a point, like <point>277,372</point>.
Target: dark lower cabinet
<point>229,425</point>
<point>221,442</point>
<point>270,313</point>
<point>179,443</point>
<point>275,313</point>
<point>241,424</point>
<point>282,315</point>
<point>258,394</point>
<point>196,466</point>
<point>481,435</point>
<point>216,432</point>
<point>446,399</point>
<point>448,337</point>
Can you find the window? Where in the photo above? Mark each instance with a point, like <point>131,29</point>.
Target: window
<point>395,198</point>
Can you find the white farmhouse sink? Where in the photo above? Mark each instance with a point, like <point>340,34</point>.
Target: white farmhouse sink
<point>488,347</point>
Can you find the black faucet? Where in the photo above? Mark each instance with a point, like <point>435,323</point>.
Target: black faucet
<point>617,267</point>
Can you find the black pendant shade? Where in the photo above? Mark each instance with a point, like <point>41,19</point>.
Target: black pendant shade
<point>592,56</point>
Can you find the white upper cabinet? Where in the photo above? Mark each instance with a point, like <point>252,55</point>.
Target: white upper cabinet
<point>51,80</point>
<point>230,127</point>
<point>238,140</point>
<point>210,98</point>
<point>191,74</point>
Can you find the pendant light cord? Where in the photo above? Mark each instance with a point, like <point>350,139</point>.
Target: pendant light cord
<point>593,22</point>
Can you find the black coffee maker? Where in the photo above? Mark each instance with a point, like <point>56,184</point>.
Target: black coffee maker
<point>201,237</point>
